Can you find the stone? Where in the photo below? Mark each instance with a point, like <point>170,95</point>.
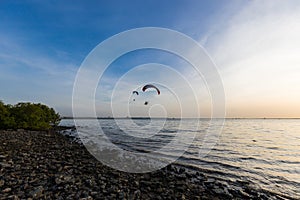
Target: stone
<point>6,190</point>
<point>147,176</point>
<point>181,177</point>
<point>136,194</point>
<point>228,193</point>
<point>38,192</point>
<point>137,183</point>
<point>210,180</point>
<point>121,195</point>
<point>2,182</point>
<point>93,193</point>
<point>181,170</point>
<point>180,189</point>
<point>68,179</point>
<point>5,165</point>
<point>58,181</point>
<point>218,191</point>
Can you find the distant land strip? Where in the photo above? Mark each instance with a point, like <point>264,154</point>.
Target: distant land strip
<point>176,118</point>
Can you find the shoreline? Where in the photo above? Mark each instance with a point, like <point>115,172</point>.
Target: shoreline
<point>48,164</point>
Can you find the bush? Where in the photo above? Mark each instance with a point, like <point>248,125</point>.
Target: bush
<point>6,120</point>
<point>27,116</point>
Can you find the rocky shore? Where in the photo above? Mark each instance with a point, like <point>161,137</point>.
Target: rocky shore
<point>48,165</point>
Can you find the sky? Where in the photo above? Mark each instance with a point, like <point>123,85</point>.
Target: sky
<point>254,44</point>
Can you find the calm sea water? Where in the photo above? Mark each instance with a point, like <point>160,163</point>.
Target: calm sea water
<point>263,153</point>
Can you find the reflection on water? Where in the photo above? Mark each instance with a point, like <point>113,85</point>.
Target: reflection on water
<point>265,153</point>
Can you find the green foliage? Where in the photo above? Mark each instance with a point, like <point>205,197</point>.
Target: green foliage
<point>27,116</point>
<point>6,120</point>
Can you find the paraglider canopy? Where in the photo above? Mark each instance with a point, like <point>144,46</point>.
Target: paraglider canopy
<point>135,92</point>
<point>151,86</point>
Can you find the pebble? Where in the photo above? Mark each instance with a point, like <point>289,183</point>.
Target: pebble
<point>37,193</point>
<point>2,182</point>
<point>6,190</point>
<point>218,191</point>
<point>5,165</point>
<point>210,180</point>
<point>2,156</point>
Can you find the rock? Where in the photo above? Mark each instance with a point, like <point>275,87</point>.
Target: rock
<point>218,191</point>
<point>147,176</point>
<point>93,193</point>
<point>180,189</point>
<point>181,177</point>
<point>58,181</point>
<point>136,194</point>
<point>179,183</point>
<point>245,194</point>
<point>6,190</point>
<point>2,182</point>
<point>87,198</point>
<point>121,195</point>
<point>181,170</point>
<point>137,183</point>
<point>159,190</point>
<point>228,193</point>
<point>5,165</point>
<point>145,183</point>
<point>38,192</point>
<point>169,167</point>
<point>15,197</point>
<point>264,196</point>
<point>210,180</point>
<point>68,179</point>
<point>188,175</point>
<point>240,191</point>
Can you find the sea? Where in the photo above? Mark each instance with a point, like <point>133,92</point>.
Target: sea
<point>264,153</point>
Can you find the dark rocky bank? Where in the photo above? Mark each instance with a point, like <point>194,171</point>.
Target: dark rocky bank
<point>48,165</point>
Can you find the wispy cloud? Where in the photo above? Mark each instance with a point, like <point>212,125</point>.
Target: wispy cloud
<point>257,54</point>
<point>28,75</point>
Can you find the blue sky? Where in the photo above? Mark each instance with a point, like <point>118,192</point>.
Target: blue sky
<point>42,45</point>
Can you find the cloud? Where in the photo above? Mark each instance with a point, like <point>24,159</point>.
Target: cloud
<point>257,52</point>
<point>27,75</point>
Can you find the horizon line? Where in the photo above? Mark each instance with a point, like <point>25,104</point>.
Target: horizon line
<point>68,117</point>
